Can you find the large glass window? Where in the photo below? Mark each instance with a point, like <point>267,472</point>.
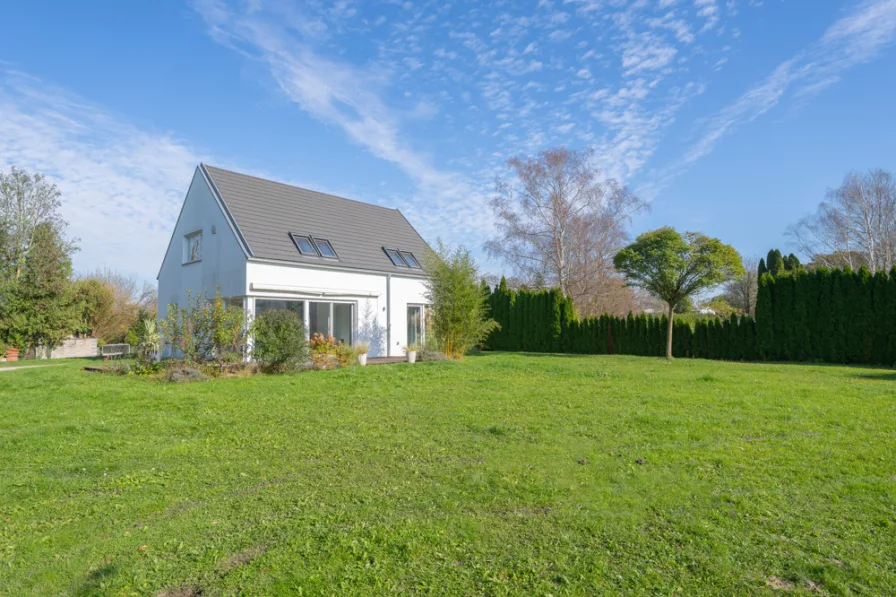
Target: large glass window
<point>415,325</point>
<point>262,305</point>
<point>336,319</point>
<point>342,322</point>
<point>319,318</point>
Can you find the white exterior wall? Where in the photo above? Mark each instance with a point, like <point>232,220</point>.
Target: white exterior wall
<point>223,261</point>
<point>367,291</point>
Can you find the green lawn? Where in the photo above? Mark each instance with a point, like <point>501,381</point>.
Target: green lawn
<point>502,475</point>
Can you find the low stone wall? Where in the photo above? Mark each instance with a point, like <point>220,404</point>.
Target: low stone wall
<point>75,347</point>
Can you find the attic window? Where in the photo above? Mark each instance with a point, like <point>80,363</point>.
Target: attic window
<point>192,247</point>
<point>304,244</point>
<point>325,248</point>
<point>411,260</point>
<point>396,257</point>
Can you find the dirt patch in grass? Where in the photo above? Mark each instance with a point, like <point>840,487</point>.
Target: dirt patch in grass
<point>181,592</point>
<point>178,508</point>
<point>779,584</point>
<point>241,558</point>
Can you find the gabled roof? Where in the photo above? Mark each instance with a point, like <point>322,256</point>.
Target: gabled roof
<point>266,212</point>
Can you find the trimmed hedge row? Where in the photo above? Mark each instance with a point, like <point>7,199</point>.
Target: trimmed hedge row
<point>546,322</point>
<point>837,316</point>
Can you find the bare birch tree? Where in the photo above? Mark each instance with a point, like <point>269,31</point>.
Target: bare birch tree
<point>856,225</point>
<point>560,224</point>
<point>741,291</point>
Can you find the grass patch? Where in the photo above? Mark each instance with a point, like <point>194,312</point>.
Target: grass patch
<point>503,475</point>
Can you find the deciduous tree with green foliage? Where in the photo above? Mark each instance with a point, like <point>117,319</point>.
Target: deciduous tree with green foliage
<point>35,263</point>
<point>458,312</point>
<point>672,266</point>
<point>35,305</point>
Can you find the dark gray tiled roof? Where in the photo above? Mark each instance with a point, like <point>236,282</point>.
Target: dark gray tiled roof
<point>266,212</point>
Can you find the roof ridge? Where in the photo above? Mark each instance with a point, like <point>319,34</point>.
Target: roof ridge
<point>292,186</point>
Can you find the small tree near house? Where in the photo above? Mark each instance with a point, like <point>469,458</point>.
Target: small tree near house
<point>672,267</point>
<point>458,312</point>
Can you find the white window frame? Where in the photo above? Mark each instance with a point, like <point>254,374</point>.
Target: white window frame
<point>188,238</point>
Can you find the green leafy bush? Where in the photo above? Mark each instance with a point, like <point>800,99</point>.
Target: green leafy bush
<point>279,340</point>
<point>206,330</point>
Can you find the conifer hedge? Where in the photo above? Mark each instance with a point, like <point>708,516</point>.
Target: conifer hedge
<point>546,322</point>
<point>835,316</point>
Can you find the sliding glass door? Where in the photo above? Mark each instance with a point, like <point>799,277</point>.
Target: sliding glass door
<point>336,319</point>
<point>342,322</point>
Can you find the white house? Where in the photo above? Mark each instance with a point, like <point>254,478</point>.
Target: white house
<point>352,269</point>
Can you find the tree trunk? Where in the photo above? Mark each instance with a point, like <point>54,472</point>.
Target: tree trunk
<point>669,331</point>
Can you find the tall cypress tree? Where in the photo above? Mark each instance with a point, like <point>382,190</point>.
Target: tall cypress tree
<point>889,320</point>
<point>863,310</point>
<point>749,336</point>
<point>762,268</point>
<point>837,349</point>
<point>879,289</point>
<point>782,299</point>
<point>735,341</point>
<point>774,261</point>
<point>765,319</point>
<point>822,323</point>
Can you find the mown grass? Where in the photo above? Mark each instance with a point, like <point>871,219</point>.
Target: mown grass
<point>502,475</point>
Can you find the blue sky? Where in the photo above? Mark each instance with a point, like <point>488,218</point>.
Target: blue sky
<point>731,117</point>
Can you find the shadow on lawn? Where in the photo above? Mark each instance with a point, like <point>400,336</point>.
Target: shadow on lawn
<point>95,579</point>
<point>562,355</point>
<point>880,375</point>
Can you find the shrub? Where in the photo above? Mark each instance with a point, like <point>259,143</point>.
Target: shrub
<point>279,340</point>
<point>458,313</point>
<point>432,355</point>
<point>206,330</point>
<point>327,353</point>
<point>180,373</point>
<point>150,342</point>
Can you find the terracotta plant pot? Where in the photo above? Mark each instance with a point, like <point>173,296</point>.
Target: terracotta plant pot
<point>412,356</point>
<point>362,359</point>
<point>12,354</point>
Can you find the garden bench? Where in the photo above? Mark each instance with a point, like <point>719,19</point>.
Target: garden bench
<point>110,351</point>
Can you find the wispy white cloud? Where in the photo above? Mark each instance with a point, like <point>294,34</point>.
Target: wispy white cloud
<point>121,186</point>
<point>852,40</point>
<point>351,97</point>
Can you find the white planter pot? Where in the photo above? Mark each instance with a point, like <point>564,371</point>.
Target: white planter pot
<point>412,356</point>
<point>362,359</point>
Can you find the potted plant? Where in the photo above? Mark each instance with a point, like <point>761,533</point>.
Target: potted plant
<point>363,348</point>
<point>411,350</point>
